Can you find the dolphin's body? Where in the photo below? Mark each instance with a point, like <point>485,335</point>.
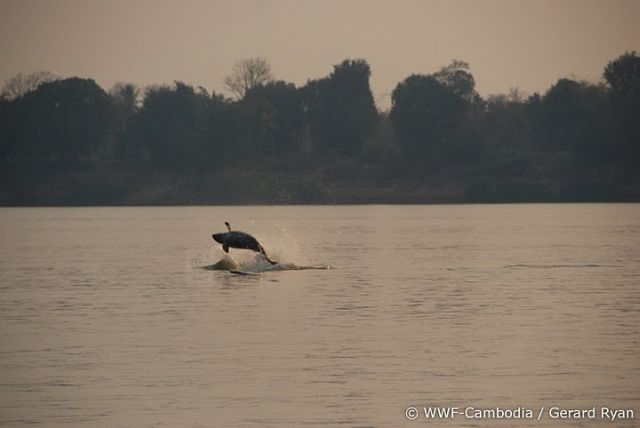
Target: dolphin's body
<point>241,240</point>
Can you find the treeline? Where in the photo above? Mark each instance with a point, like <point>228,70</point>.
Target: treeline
<point>578,140</point>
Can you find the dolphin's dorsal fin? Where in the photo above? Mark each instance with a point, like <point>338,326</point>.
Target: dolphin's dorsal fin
<point>228,225</point>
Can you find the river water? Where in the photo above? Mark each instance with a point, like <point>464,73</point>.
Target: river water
<point>109,319</point>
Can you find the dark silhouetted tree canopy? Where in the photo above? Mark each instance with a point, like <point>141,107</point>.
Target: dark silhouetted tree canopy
<point>576,141</point>
<point>277,117</point>
<point>67,119</point>
<point>457,77</point>
<point>623,76</point>
<point>177,123</point>
<point>424,114</point>
<point>438,116</point>
<point>340,109</point>
<point>21,84</point>
<point>573,115</point>
<point>125,98</point>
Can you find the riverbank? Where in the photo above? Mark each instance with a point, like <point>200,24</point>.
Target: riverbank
<point>128,184</point>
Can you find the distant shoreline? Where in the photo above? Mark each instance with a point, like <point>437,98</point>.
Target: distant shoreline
<point>68,142</point>
<point>116,186</point>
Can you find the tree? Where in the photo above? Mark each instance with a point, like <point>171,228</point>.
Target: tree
<point>126,96</point>
<point>340,108</point>
<point>572,118</point>
<point>63,119</point>
<point>7,128</point>
<point>457,77</point>
<point>21,84</point>
<point>506,122</point>
<point>246,74</point>
<point>382,145</point>
<point>126,101</point>
<point>178,123</point>
<point>437,116</point>
<point>275,117</point>
<point>623,77</point>
<point>424,114</point>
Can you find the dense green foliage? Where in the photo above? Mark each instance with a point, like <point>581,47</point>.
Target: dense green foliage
<point>577,141</point>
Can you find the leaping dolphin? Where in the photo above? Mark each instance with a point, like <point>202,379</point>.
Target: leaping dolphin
<point>241,240</point>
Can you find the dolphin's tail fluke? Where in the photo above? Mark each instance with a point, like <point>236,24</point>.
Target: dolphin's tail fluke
<point>264,253</point>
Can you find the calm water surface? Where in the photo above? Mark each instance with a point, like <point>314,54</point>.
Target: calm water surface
<point>108,319</point>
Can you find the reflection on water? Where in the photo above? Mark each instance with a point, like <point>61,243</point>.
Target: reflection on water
<point>109,319</point>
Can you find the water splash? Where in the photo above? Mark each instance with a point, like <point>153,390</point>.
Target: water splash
<point>281,246</point>
<point>256,264</point>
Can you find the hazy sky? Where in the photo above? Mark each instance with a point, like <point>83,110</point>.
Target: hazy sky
<point>508,43</point>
